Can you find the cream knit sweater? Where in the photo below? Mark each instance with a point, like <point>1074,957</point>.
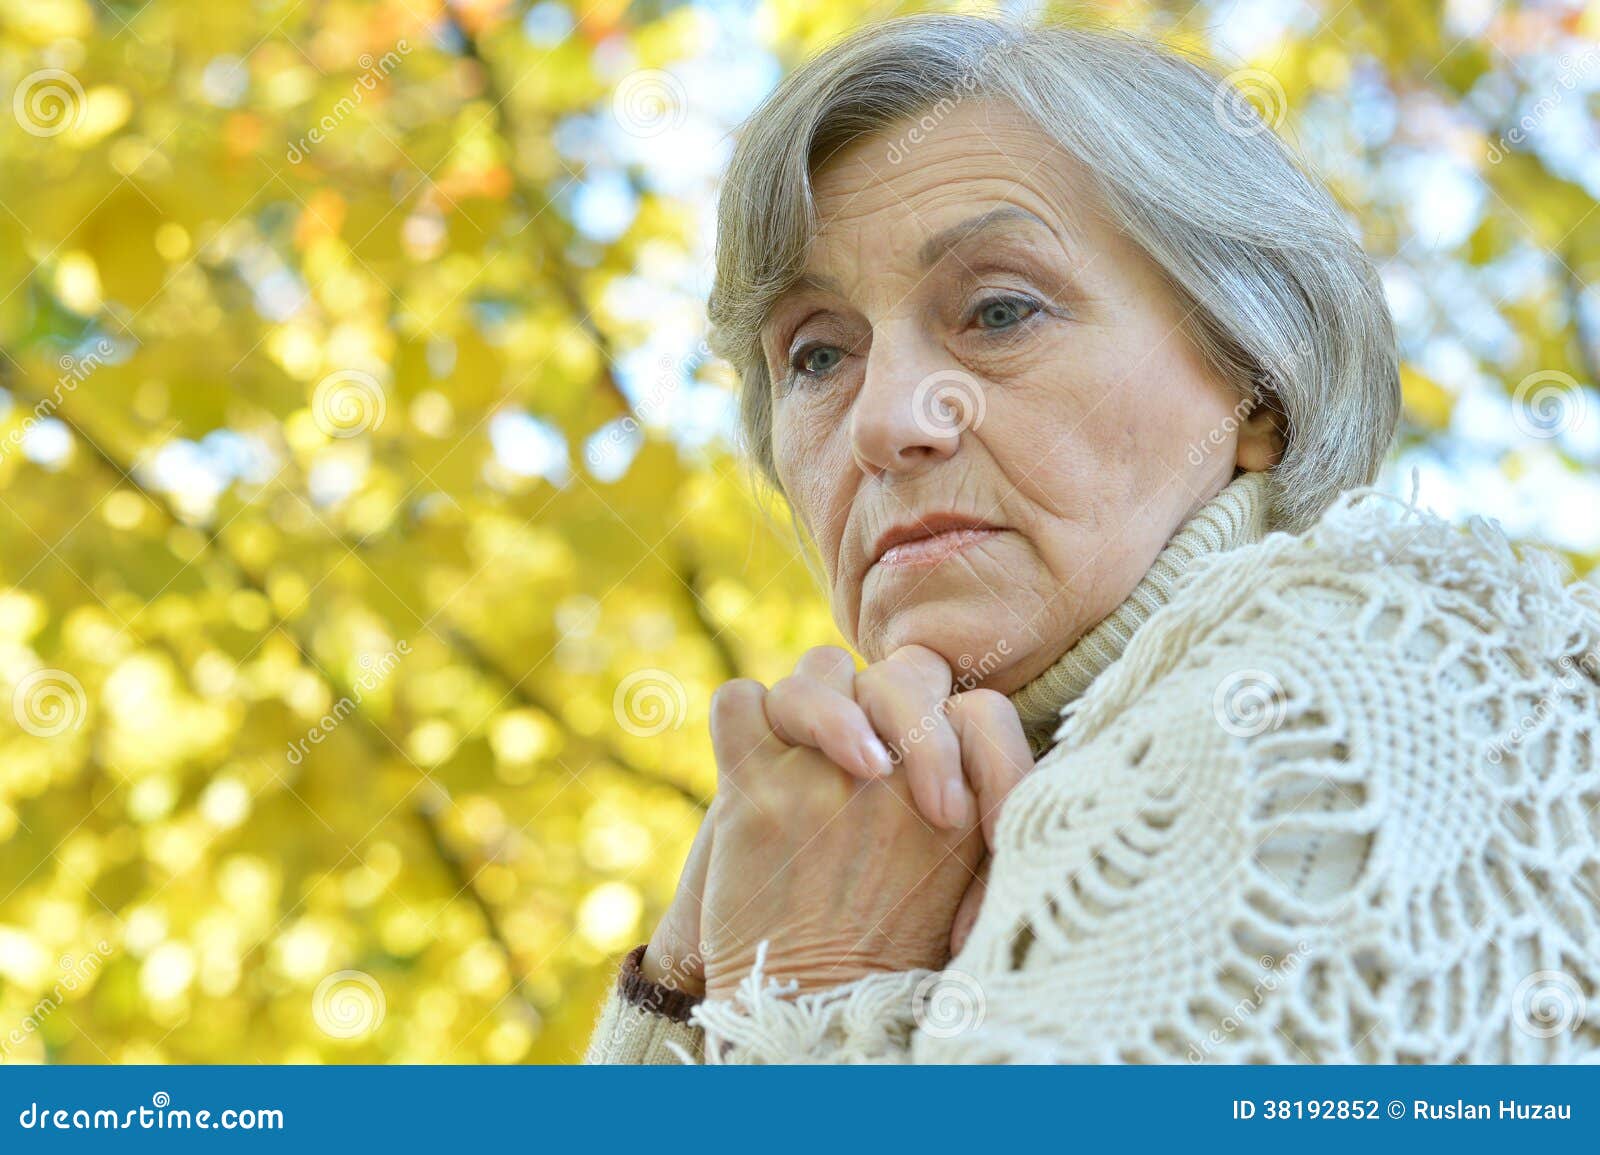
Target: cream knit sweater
<point>1321,798</point>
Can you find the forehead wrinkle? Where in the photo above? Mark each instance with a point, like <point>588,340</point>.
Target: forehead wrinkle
<point>1063,195</point>
<point>1006,217</point>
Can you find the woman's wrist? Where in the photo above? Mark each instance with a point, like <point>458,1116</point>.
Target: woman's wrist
<point>660,966</point>
<point>805,972</point>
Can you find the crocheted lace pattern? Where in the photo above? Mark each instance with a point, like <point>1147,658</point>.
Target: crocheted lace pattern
<point>1338,801</point>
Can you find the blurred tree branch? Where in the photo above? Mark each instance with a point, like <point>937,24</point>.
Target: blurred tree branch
<point>544,223</point>
<point>1584,332</point>
<point>373,735</point>
<point>593,749</point>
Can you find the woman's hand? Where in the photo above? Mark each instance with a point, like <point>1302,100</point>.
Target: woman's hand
<point>837,867</point>
<point>849,717</point>
<point>674,957</point>
<point>790,754</point>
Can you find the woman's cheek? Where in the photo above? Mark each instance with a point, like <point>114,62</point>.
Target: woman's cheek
<point>825,509</point>
<point>806,486</point>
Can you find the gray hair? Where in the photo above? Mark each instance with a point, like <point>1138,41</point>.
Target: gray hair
<point>1281,299</point>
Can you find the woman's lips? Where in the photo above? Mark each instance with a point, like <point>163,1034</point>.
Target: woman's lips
<point>931,550</point>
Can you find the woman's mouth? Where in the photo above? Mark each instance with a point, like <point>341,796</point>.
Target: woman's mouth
<point>931,541</point>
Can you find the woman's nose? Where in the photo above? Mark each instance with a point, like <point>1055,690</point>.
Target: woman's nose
<point>909,414</point>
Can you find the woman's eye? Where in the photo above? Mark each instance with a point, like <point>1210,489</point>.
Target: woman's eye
<point>1003,312</point>
<point>816,360</point>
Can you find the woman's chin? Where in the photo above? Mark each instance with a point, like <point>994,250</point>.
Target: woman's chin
<point>965,636</point>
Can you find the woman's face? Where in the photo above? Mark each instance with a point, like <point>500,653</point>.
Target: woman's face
<point>984,411</point>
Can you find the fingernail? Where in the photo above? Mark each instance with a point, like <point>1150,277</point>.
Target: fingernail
<point>957,810</point>
<point>876,756</point>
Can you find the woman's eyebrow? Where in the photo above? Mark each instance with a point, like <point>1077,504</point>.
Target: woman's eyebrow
<point>1004,217</point>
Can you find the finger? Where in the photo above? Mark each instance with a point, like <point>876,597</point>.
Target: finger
<point>692,881</point>
<point>804,712</point>
<point>833,666</point>
<point>677,949</point>
<point>904,696</point>
<point>692,886</point>
<point>967,912</point>
<point>994,750</point>
<point>739,729</point>
<point>927,666</point>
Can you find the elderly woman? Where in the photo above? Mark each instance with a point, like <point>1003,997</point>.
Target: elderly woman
<point>1063,365</point>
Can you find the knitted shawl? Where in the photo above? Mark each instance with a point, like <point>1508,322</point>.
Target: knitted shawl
<point>1329,797</point>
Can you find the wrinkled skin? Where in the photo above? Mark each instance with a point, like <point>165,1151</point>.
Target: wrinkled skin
<point>1079,429</point>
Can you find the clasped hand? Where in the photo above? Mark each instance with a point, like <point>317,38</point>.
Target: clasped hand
<point>850,831</point>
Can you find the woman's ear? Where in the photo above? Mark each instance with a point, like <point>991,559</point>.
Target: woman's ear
<point>1263,434</point>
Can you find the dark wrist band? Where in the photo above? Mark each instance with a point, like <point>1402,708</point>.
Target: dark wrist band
<point>657,998</point>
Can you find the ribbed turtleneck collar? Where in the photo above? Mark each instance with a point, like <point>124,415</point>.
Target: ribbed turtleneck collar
<point>1235,517</point>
